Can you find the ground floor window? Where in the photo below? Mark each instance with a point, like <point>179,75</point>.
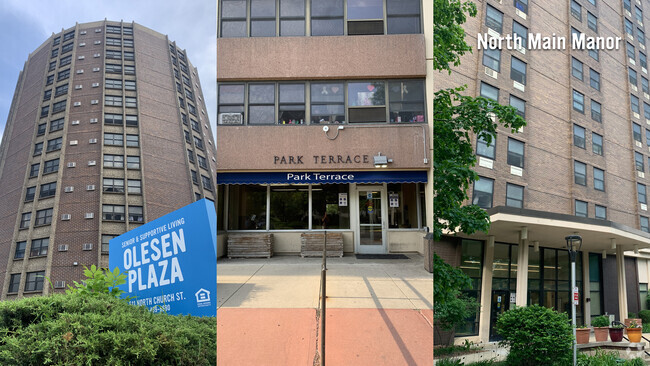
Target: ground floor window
<point>326,206</point>
<point>595,285</point>
<point>289,207</point>
<point>247,207</point>
<point>472,265</point>
<point>643,294</point>
<point>403,202</point>
<point>220,208</point>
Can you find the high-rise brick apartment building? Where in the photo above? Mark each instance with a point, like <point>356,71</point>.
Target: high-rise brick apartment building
<point>107,130</point>
<point>580,166</point>
<point>325,114</point>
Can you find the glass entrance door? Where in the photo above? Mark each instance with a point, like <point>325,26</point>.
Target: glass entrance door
<point>500,304</point>
<point>371,234</point>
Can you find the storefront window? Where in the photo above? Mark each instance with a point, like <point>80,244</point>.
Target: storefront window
<point>289,207</point>
<point>325,200</point>
<point>220,207</point>
<point>472,265</point>
<point>594,285</point>
<point>423,205</point>
<point>247,207</point>
<point>402,206</point>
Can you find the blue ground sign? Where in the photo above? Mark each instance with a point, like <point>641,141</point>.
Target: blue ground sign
<point>171,262</point>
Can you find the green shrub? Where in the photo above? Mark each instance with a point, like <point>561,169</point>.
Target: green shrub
<point>99,329</point>
<point>645,316</point>
<point>536,336</point>
<point>600,321</point>
<point>631,315</point>
<point>449,362</point>
<point>604,358</point>
<point>451,307</point>
<point>646,328</point>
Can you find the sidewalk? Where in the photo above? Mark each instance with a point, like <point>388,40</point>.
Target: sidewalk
<point>379,312</point>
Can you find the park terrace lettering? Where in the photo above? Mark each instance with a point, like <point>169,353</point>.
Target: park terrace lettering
<point>321,159</point>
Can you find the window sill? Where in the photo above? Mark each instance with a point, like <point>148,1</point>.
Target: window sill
<point>42,225</point>
<point>120,221</point>
<point>32,292</point>
<point>46,173</point>
<point>19,259</point>
<point>38,256</point>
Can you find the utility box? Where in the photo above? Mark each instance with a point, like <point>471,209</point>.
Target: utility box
<point>428,252</point>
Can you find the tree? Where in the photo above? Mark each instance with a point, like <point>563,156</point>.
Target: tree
<point>456,116</point>
<point>450,306</point>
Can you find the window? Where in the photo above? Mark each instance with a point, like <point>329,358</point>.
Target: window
<point>186,81</point>
<point>601,212</point>
<point>135,214</point>
<point>599,179</point>
<point>592,22</point>
<point>187,136</point>
<point>575,34</point>
<point>45,111</point>
<point>129,85</point>
<point>189,95</point>
<point>203,163</point>
<point>644,85</point>
<point>113,41</point>
<point>131,120</point>
<point>116,29</point>
<point>638,161</point>
<point>641,36</point>
<point>39,247</point>
<point>492,58</point>
<point>30,192</point>
<point>50,80</point>
<point>579,136</point>
<point>44,217</point>
<point>634,103</point>
<point>207,182</point>
<point>57,124</point>
<point>51,166</point>
<point>62,75</point>
<point>195,125</point>
<point>61,89</point>
<point>113,161</point>
<point>638,14</point>
<point>576,10</point>
<point>66,48</point>
<point>14,282</point>
<point>642,60</point>
<point>629,28</point>
<point>134,186</point>
<point>132,140</point>
<point>198,142</point>
<point>646,110</point>
<point>56,41</point>
<point>483,149</point>
<point>594,79</point>
<point>113,100</point>
<point>20,250</point>
<point>518,70</point>
<point>578,101</point>
<point>593,53</point>
<point>184,118</point>
<point>630,50</point>
<point>195,178</point>
<point>54,144</point>
<point>514,195</point>
<point>483,189</point>
<point>106,239</point>
<point>627,5</point>
<point>494,19</point>
<point>113,119</point>
<point>576,68</point>
<point>519,104</point>
<point>522,32</point>
<point>644,224</point>
<point>595,111</point>
<point>55,53</point>
<point>115,139</point>
<point>632,76</point>
<point>113,185</point>
<point>515,153</point>
<point>191,109</point>
<point>38,148</point>
<point>33,170</point>
<point>52,66</point>
<point>181,102</point>
<point>25,220</point>
<point>327,103</point>
<point>580,173</point>
<point>115,55</point>
<point>47,190</point>
<point>291,104</point>
<point>597,143</point>
<point>133,162</point>
<point>59,106</point>
<point>65,61</point>
<point>113,212</point>
<point>41,129</point>
<point>34,281</point>
<point>190,155</point>
<point>47,95</point>
<point>113,84</point>
<point>113,69</point>
<point>641,194</point>
<point>68,36</point>
<point>130,102</point>
<point>129,56</point>
<point>490,92</point>
<point>581,208</point>
<point>406,101</point>
<point>636,132</point>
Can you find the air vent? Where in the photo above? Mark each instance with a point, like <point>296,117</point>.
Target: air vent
<point>230,118</point>
<point>63,248</point>
<point>65,217</point>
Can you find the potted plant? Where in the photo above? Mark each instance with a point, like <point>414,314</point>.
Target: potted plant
<point>634,332</point>
<point>601,327</point>
<point>582,334</point>
<point>616,332</point>
<point>630,318</point>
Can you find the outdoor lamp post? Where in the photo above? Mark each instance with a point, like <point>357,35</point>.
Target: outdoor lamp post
<point>573,245</point>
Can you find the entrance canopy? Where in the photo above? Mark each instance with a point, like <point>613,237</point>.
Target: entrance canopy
<point>333,177</point>
<point>550,229</point>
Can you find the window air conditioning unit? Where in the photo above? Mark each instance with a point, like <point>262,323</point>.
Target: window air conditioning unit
<point>81,57</point>
<point>74,142</point>
<point>77,87</point>
<point>95,69</point>
<point>230,118</point>
<point>98,30</point>
<point>59,284</point>
<point>80,71</point>
<point>92,141</point>
<point>82,44</point>
<point>75,122</point>
<point>93,120</point>
<point>95,85</point>
<point>90,187</point>
<point>72,164</point>
<point>69,189</point>
<point>97,55</point>
<point>94,101</point>
<point>82,32</point>
<point>89,215</point>
<point>65,217</point>
<point>77,104</point>
<point>88,246</point>
<point>92,162</point>
<point>98,42</point>
<point>63,248</point>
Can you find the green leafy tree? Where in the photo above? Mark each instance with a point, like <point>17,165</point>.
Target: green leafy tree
<point>456,117</point>
<point>98,282</point>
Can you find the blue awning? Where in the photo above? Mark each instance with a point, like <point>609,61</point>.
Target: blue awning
<point>337,177</point>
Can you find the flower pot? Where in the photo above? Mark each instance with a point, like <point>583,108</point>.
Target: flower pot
<point>582,335</point>
<point>616,334</point>
<point>634,334</point>
<point>601,334</point>
<point>628,321</point>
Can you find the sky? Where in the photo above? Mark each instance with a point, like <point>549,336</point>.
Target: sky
<point>25,25</point>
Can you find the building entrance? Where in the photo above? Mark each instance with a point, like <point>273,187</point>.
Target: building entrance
<point>371,234</point>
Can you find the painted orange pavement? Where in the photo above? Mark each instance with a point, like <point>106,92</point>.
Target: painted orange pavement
<point>355,337</point>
